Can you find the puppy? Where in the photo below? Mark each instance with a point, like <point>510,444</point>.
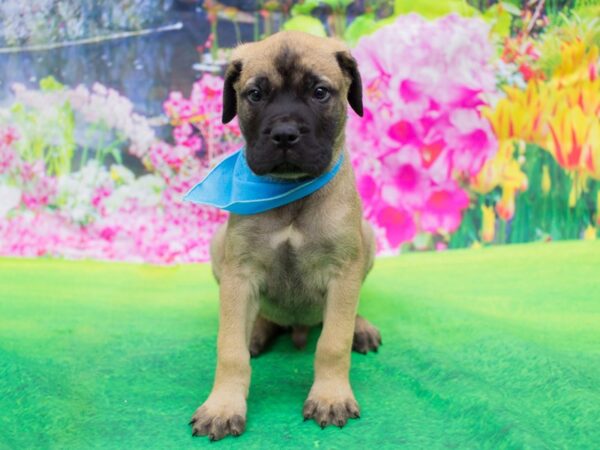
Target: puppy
<point>303,263</point>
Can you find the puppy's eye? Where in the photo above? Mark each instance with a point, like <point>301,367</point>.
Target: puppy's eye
<point>321,93</point>
<point>254,95</point>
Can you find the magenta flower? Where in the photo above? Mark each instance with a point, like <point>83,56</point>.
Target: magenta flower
<point>443,209</point>
<point>398,224</point>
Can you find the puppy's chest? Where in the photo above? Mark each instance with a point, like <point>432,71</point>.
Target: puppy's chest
<point>297,265</point>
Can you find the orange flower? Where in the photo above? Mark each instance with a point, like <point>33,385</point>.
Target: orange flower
<point>569,129</point>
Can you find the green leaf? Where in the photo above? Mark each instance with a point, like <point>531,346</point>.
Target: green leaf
<point>432,9</point>
<point>510,8</point>
<point>304,8</point>
<point>338,4</point>
<point>307,24</point>
<point>499,18</point>
<point>50,84</point>
<point>361,26</point>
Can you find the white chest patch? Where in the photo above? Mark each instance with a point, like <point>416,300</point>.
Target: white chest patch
<point>287,234</point>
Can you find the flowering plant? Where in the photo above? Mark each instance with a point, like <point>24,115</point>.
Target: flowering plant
<point>102,209</point>
<point>423,135</point>
<point>456,147</point>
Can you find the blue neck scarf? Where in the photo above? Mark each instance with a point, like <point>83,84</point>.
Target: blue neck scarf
<point>231,185</point>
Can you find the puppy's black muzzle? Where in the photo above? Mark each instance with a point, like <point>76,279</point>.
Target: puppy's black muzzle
<point>286,141</point>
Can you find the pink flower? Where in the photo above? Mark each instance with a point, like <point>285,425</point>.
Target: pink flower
<point>443,209</point>
<point>398,224</point>
<point>424,82</point>
<point>8,136</point>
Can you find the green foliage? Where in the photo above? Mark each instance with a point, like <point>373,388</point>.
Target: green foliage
<point>306,7</point>
<point>48,136</point>
<point>432,9</point>
<point>500,16</point>
<point>586,3</point>
<point>567,27</point>
<point>307,24</point>
<point>361,26</point>
<point>50,84</point>
<point>338,5</point>
<point>538,215</point>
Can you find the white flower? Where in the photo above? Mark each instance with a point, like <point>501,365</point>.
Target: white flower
<point>10,197</point>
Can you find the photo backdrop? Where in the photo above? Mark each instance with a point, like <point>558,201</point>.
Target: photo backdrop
<point>481,125</point>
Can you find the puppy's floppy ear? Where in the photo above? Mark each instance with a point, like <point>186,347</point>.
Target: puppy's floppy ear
<point>229,96</point>
<point>348,65</point>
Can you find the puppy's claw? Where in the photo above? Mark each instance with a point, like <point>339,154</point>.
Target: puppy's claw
<point>217,425</point>
<point>237,425</point>
<point>330,412</point>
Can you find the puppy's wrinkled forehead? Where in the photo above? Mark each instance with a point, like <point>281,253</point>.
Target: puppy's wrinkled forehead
<point>288,58</point>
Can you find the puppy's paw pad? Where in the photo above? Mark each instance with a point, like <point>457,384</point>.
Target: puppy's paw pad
<point>216,426</point>
<point>366,338</point>
<point>331,412</point>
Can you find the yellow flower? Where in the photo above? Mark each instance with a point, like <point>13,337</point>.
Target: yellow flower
<point>591,148</point>
<point>569,131</point>
<point>506,206</point>
<point>488,223</point>
<point>576,63</point>
<point>561,115</point>
<point>502,170</point>
<point>546,180</point>
<point>590,233</point>
<point>520,114</point>
<point>513,180</point>
<point>114,174</point>
<point>573,197</point>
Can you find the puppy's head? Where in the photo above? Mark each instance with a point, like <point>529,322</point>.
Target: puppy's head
<point>290,92</point>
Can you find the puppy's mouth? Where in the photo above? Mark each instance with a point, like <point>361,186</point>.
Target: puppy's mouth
<point>288,171</point>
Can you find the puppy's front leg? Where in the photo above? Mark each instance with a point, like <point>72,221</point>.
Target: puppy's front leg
<point>331,401</point>
<point>224,412</point>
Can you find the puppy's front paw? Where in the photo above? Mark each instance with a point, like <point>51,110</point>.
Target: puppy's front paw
<point>330,408</point>
<point>218,418</point>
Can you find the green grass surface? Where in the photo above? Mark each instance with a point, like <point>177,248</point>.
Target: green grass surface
<point>493,348</point>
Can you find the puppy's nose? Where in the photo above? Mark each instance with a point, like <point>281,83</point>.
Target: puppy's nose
<point>285,134</point>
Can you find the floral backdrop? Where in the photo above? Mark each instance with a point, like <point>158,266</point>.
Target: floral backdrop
<point>481,127</point>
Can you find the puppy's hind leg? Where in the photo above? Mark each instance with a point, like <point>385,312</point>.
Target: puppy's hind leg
<point>366,337</point>
<point>263,334</point>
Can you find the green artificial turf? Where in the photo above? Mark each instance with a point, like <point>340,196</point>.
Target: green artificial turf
<point>490,348</point>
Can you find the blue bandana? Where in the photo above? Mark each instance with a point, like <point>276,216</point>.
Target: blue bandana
<point>231,185</point>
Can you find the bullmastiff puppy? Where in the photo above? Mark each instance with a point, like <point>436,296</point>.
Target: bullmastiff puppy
<point>302,264</point>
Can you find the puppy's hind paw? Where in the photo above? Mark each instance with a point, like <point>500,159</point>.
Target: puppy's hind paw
<point>366,337</point>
